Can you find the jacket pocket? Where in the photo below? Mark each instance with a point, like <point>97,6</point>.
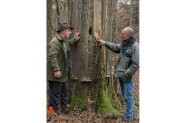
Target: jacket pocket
<point>119,73</point>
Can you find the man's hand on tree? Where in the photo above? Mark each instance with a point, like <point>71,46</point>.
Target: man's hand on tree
<point>77,35</point>
<point>101,42</point>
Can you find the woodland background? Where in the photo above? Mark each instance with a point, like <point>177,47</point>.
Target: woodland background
<point>96,96</point>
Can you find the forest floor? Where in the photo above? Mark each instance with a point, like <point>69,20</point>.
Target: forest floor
<point>90,116</point>
<point>78,116</point>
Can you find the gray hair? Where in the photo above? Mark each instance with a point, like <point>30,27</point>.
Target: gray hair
<point>129,30</point>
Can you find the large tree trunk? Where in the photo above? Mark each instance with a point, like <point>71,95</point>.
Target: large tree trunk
<point>91,63</point>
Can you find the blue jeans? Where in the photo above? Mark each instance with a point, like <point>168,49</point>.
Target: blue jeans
<point>127,92</point>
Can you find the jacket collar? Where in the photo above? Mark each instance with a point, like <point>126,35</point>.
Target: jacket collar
<point>59,37</point>
<point>129,42</point>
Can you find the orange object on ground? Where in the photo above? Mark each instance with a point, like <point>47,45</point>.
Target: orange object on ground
<point>51,110</point>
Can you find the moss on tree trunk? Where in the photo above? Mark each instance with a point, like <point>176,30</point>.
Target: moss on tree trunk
<point>104,96</point>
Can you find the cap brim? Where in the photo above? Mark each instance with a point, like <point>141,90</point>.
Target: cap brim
<point>65,28</point>
<point>71,28</point>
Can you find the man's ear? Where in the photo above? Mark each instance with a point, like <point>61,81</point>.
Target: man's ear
<point>61,32</point>
<point>129,35</point>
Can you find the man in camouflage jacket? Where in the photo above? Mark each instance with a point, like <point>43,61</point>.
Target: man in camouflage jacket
<point>58,68</point>
<point>126,67</point>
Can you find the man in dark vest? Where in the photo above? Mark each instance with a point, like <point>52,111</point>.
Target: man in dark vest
<point>59,68</point>
<point>126,67</point>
